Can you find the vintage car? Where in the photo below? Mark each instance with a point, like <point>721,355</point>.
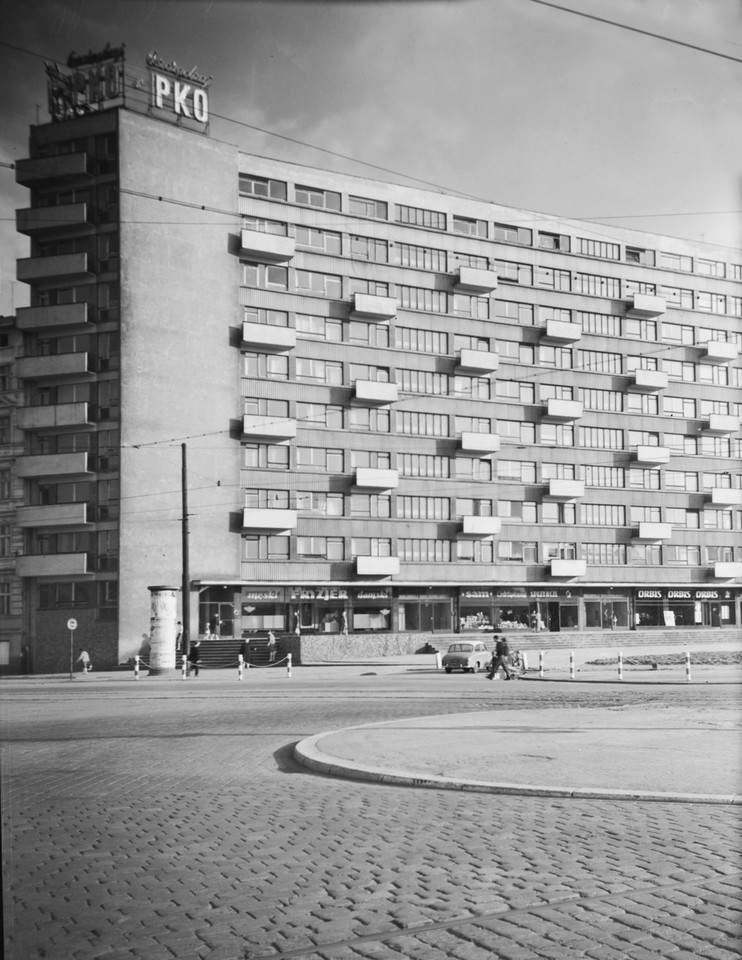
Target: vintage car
<point>467,655</point>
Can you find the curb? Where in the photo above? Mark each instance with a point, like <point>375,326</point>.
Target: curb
<point>308,754</point>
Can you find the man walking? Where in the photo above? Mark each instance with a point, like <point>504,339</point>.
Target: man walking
<point>500,658</point>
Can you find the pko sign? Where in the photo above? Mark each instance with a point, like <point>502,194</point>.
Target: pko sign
<point>179,92</point>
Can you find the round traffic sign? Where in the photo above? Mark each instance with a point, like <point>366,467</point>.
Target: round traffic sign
<point>72,624</point>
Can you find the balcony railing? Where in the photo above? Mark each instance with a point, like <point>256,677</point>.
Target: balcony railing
<point>479,444</point>
<point>648,381</point>
<point>49,220</point>
<point>268,428</point>
<point>370,478</point>
<point>475,281</point>
<point>375,394</point>
<point>644,306</point>
<point>276,521</point>
<point>68,166</point>
<point>52,515</point>
<point>479,528</point>
<point>58,416</point>
<point>55,367</point>
<point>367,306</point>
<point>377,566</point>
<point>52,317</point>
<point>67,465</point>
<point>568,569</point>
<point>268,337</point>
<point>479,362</point>
<point>52,565</point>
<point>266,247</point>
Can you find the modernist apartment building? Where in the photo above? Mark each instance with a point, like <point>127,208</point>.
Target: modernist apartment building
<point>405,412</point>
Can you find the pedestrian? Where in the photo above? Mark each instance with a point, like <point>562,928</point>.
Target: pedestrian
<point>179,638</point>
<point>194,656</point>
<point>84,659</point>
<point>271,647</point>
<point>500,658</point>
<point>244,649</point>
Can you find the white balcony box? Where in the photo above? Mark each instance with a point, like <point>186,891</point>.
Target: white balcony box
<point>279,429</point>
<point>648,381</point>
<point>479,444</point>
<point>479,362</point>
<point>372,392</point>
<point>55,367</point>
<point>645,306</point>
<point>274,520</point>
<point>69,267</point>
<point>377,566</point>
<point>50,318</point>
<point>566,489</point>
<point>52,565</point>
<point>367,306</point>
<point>370,478</point>
<point>727,570</point>
<point>266,247</point>
<point>720,424</point>
<point>479,528</point>
<point>726,497</point>
<point>568,568</point>
<point>650,532</point>
<point>57,416</point>
<point>52,515</point>
<point>563,410</point>
<point>67,216</point>
<point>719,351</point>
<point>265,335</point>
<point>560,331</point>
<point>652,456</point>
<point>475,281</point>
<point>66,465</point>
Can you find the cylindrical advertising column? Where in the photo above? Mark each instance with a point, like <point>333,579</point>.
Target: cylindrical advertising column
<point>162,631</point>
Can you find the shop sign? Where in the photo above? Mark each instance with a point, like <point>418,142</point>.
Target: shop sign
<point>678,594</point>
<point>94,80</point>
<point>318,593</point>
<point>511,594</point>
<point>178,91</point>
<point>262,596</point>
<point>476,594</point>
<point>372,595</point>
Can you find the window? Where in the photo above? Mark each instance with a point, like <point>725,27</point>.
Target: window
<point>366,371</point>
<point>515,391</point>
<point>322,371</point>
<point>683,555</point>
<point>640,479</point>
<point>423,508</point>
<point>517,551</point>
<point>711,302</point>
<point>471,306</point>
<point>469,227</point>
<point>265,276</point>
<point>314,197</point>
<point>364,207</point>
<point>602,514</point>
<point>680,517</point>
<point>477,551</point>
<point>510,272</point>
<point>321,414</point>
<point>421,298</point>
<point>4,428</point>
<point>555,356</point>
<point>601,437</point>
<point>553,512</point>
<point>423,465</point>
<point>326,548</point>
<point>719,554</point>
<point>323,241</point>
<point>315,326</point>
<point>510,234</point>
<point>717,520</point>
<point>596,286</point>
<point>422,258</point>
<point>604,554</point>
<point>554,313</point>
<point>602,324</point>
<point>260,225</point>
<point>640,329</point>
<point>472,425</point>
<point>475,388</point>
<point>266,547</point>
<point>596,361</point>
<point>520,431</point>
<point>264,407</point>
<point>376,459</point>
<point>601,399</point>
<point>676,261</point>
<point>261,499</point>
<point>376,288</point>
<point>372,334</point>
<point>640,255</point>
<point>6,531</point>
<point>522,471</point>
<point>369,419</point>
<point>60,595</point>
<point>684,407</point>
<point>678,296</point>
<point>4,598</point>
<point>644,438</point>
<point>425,551</point>
<point>323,284</point>
<point>679,480</point>
<point>317,501</point>
<point>469,260</point>
<point>271,318</point>
<point>366,248</point>
<point>262,187</point>
<point>557,434</point>
<point>553,279</point>
<point>319,459</point>
<point>266,456</point>
<point>679,370</point>
<point>370,505</point>
<point>710,268</point>
<point>419,217</point>
<point>553,241</point>
<point>422,424</point>
<point>371,547</point>
<point>265,366</point>
<point>644,403</point>
<point>678,333</point>
<point>713,373</point>
<point>463,341</point>
<point>422,381</point>
<point>521,313</point>
<point>473,507</point>
<point>516,352</point>
<point>560,551</point>
<point>421,341</point>
<point>472,468</point>
<point>598,248</point>
<point>517,511</point>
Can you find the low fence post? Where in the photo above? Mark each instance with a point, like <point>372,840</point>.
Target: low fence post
<point>136,667</point>
<point>438,660</point>
<point>183,668</point>
<point>541,663</point>
<point>240,665</point>
<point>620,665</point>
<point>288,664</point>
<point>571,665</point>
<point>687,665</point>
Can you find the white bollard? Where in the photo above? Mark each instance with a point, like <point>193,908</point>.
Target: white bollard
<point>183,668</point>
<point>571,665</point>
<point>525,662</point>
<point>288,664</point>
<point>541,663</point>
<point>438,660</point>
<point>240,665</point>
<point>620,665</point>
<point>687,665</point>
<point>136,667</point>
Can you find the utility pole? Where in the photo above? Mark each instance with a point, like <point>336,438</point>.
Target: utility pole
<point>186,580</point>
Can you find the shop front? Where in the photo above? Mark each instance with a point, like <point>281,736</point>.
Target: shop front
<point>262,609</point>
<point>520,608</point>
<point>607,610</point>
<point>426,610</point>
<point>685,607</point>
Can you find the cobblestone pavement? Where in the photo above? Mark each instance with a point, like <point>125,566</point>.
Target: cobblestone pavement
<point>161,820</point>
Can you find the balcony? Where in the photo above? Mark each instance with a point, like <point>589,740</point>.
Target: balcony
<point>562,411</point>
<point>727,570</point>
<point>474,281</point>
<point>719,351</point>
<point>568,569</point>
<point>648,381</point>
<point>268,337</point>
<point>52,318</point>
<point>479,528</point>
<point>726,497</point>
<point>479,444</point>
<point>277,521</point>
<point>32,173</point>
<point>53,515</point>
<point>50,220</point>
<point>367,306</point>
<point>58,416</point>
<point>377,566</point>
<point>56,367</point>
<point>67,465</point>
<point>481,363</point>
<point>266,247</point>
<point>565,489</point>
<point>650,532</point>
<point>376,394</point>
<point>370,478</point>
<point>278,429</point>
<point>52,565</point>
<point>65,268</point>
<point>652,456</point>
<point>560,331</point>
<point>644,306</point>
<point>720,425</point>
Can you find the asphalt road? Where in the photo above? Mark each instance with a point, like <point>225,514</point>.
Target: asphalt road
<point>161,819</point>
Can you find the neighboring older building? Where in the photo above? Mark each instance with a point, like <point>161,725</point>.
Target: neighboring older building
<point>405,412</point>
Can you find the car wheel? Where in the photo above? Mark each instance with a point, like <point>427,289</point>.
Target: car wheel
<point>448,669</point>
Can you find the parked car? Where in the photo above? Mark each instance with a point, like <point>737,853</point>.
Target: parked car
<point>467,655</point>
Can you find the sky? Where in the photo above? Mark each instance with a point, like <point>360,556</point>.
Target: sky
<point>512,101</point>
